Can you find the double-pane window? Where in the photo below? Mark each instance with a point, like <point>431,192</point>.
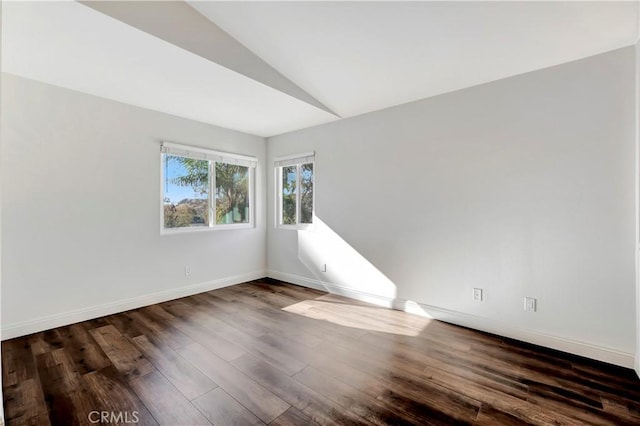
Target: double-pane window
<point>295,177</point>
<point>204,189</point>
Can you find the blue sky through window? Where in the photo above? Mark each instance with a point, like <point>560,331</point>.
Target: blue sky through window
<point>176,193</point>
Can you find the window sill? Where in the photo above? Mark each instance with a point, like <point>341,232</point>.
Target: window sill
<point>189,230</point>
<point>301,227</point>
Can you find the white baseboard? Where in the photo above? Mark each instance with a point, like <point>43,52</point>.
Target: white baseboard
<point>10,331</point>
<point>576,347</point>
<point>297,279</point>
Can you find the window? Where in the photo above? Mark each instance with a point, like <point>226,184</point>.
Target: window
<point>203,189</point>
<point>294,176</point>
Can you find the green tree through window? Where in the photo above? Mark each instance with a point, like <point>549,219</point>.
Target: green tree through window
<point>184,209</point>
<point>306,194</point>
<point>232,193</point>
<point>289,179</point>
<point>296,194</point>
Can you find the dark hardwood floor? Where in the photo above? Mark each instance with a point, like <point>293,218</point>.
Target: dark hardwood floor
<point>267,352</point>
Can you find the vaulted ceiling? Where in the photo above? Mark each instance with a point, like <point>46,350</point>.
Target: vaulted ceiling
<point>272,67</point>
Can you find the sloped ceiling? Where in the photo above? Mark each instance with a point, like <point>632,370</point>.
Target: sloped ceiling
<point>74,46</point>
<point>357,57</point>
<point>272,67</point>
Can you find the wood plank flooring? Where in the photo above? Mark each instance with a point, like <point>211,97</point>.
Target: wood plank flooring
<point>267,352</point>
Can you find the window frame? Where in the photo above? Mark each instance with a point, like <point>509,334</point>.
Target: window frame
<point>294,160</point>
<point>213,157</point>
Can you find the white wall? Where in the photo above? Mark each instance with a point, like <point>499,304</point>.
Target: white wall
<point>1,399</point>
<point>637,235</point>
<point>81,199</point>
<point>522,187</point>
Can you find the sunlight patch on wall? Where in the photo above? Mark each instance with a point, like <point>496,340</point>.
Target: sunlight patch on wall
<point>333,261</point>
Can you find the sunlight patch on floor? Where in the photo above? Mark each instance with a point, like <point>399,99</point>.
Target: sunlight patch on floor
<point>350,313</point>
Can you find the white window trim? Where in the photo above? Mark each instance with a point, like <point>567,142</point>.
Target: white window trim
<point>291,160</point>
<point>207,154</point>
<point>213,156</point>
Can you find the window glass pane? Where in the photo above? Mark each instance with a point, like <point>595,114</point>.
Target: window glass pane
<point>306,193</point>
<point>289,195</point>
<point>186,192</point>
<point>232,194</point>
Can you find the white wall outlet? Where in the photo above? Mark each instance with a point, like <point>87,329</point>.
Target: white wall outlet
<point>477,294</point>
<point>324,268</point>
<point>530,304</point>
<point>187,271</point>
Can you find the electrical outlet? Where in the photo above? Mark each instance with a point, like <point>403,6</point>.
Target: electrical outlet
<point>324,268</point>
<point>187,271</point>
<point>530,304</point>
<point>477,294</point>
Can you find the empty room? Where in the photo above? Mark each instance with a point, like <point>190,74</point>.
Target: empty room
<point>320,213</point>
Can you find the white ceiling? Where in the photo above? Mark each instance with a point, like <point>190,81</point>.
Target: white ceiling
<point>71,45</point>
<point>357,57</point>
<point>353,57</point>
